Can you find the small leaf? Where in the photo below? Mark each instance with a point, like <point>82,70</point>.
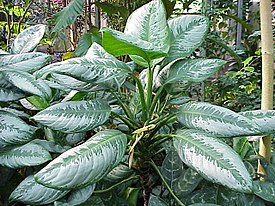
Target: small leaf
<point>38,102</point>
<point>85,164</point>
<point>80,196</point>
<point>67,15</point>
<point>194,70</point>
<point>27,62</point>
<point>73,117</point>
<point>11,94</point>
<point>119,173</point>
<point>50,146</point>
<point>171,168</point>
<point>30,192</point>
<point>26,155</point>
<point>28,39</point>
<point>264,118</point>
<point>156,201</point>
<point>13,130</point>
<point>27,83</point>
<point>213,159</point>
<point>74,138</point>
<point>265,190</point>
<point>217,120</point>
<point>188,33</point>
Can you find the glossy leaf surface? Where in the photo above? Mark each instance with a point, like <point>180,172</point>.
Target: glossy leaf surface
<point>75,116</point>
<point>217,120</point>
<point>265,190</point>
<point>188,32</point>
<point>30,192</point>
<point>213,159</point>
<point>11,94</point>
<point>86,163</point>
<point>25,155</point>
<point>28,39</point>
<point>27,62</point>
<point>80,196</point>
<point>13,130</point>
<point>156,201</point>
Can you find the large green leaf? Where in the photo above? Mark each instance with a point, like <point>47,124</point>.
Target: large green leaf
<point>27,62</point>
<point>172,168</point>
<point>30,192</point>
<point>86,163</point>
<point>68,14</point>
<point>13,130</point>
<point>118,43</point>
<point>194,70</point>
<point>265,190</point>
<point>25,155</point>
<point>148,23</point>
<point>97,67</point>
<point>213,159</point>
<point>27,83</point>
<point>28,39</point>
<point>113,8</point>
<point>76,116</point>
<point>80,196</point>
<point>217,120</point>
<point>264,118</point>
<point>188,33</point>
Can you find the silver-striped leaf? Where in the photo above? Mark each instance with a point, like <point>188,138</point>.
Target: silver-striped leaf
<point>15,112</point>
<point>80,196</point>
<point>265,190</point>
<point>119,173</point>
<point>32,193</point>
<point>264,118</point>
<point>27,83</point>
<point>156,201</point>
<point>85,164</point>
<point>213,159</point>
<point>27,62</point>
<point>75,116</point>
<point>13,130</point>
<point>29,154</point>
<point>11,94</point>
<point>217,120</point>
<point>194,70</point>
<point>188,33</point>
<point>28,39</point>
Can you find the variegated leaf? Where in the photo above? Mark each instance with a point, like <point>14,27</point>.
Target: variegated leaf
<point>194,70</point>
<point>119,173</point>
<point>264,118</point>
<point>80,196</point>
<point>32,193</point>
<point>85,164</point>
<point>11,94</point>
<point>15,112</point>
<point>217,120</point>
<point>27,62</point>
<point>25,155</point>
<point>76,116</point>
<point>28,39</point>
<point>213,159</point>
<point>188,32</point>
<point>156,201</point>
<point>27,83</point>
<point>74,138</point>
<point>265,190</point>
<point>13,130</point>
<point>172,168</point>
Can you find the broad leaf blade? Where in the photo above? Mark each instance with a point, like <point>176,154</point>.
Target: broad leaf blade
<point>30,192</point>
<point>217,120</point>
<point>11,94</point>
<point>86,163</point>
<point>265,190</point>
<point>13,130</point>
<point>188,33</point>
<point>68,14</point>
<point>194,70</point>
<point>264,118</point>
<point>80,196</point>
<point>27,62</point>
<point>26,155</point>
<point>119,173</point>
<point>213,159</point>
<point>28,39</point>
<point>27,83</point>
<point>156,201</point>
<point>77,116</point>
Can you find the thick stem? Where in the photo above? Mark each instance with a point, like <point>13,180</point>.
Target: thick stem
<point>267,74</point>
<point>142,97</point>
<point>155,100</point>
<point>166,184</point>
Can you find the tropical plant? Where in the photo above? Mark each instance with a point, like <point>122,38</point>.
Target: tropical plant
<point>94,130</point>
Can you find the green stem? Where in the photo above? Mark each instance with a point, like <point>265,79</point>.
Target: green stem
<point>166,184</point>
<point>142,97</point>
<point>127,121</point>
<point>149,88</point>
<point>155,100</point>
<point>115,185</point>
